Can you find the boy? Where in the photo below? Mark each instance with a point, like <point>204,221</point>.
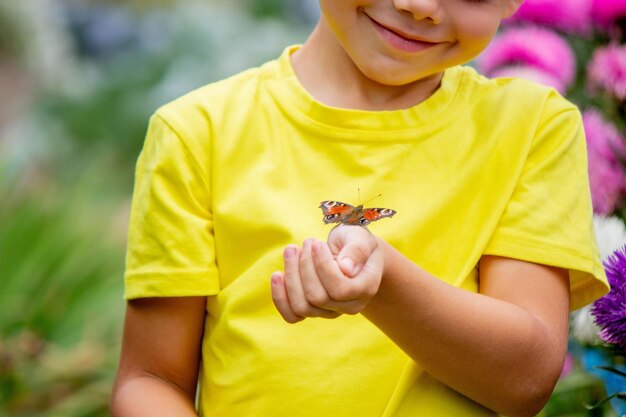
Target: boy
<point>462,297</point>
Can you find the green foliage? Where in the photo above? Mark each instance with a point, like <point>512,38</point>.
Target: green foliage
<point>267,8</point>
<point>111,113</point>
<point>60,296</point>
<point>573,393</point>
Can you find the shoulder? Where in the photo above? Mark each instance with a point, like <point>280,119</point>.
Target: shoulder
<point>513,97</point>
<point>186,127</point>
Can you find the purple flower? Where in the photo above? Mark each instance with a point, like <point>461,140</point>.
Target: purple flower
<point>607,70</point>
<point>572,16</point>
<point>610,310</point>
<point>605,151</point>
<point>606,12</point>
<point>532,47</point>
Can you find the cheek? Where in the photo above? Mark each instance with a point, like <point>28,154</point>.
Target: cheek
<point>336,17</point>
<point>476,32</point>
<point>476,25</point>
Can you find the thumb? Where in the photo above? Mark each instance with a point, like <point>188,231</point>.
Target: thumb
<point>351,259</point>
<point>347,266</point>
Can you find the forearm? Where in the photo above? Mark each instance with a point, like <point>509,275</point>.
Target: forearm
<point>492,351</point>
<point>149,396</point>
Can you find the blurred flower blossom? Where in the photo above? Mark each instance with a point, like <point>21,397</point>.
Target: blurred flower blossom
<point>611,235</point>
<point>610,232</point>
<point>582,327</point>
<point>607,70</point>
<point>606,174</point>
<point>573,16</point>
<point>609,311</point>
<point>530,47</point>
<point>607,12</point>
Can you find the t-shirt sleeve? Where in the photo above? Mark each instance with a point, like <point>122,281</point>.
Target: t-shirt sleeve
<point>170,249</point>
<point>549,218</point>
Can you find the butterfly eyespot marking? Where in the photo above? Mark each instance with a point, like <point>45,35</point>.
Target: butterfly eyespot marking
<point>330,218</point>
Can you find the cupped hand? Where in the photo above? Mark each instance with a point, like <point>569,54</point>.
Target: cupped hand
<point>329,279</point>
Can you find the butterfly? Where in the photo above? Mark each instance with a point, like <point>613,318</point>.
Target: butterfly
<point>338,212</point>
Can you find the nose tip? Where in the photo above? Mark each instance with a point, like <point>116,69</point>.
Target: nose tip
<point>421,9</point>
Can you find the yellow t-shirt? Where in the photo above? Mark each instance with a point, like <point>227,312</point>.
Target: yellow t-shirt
<point>233,172</point>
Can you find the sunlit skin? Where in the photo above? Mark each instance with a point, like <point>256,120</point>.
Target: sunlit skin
<point>351,61</point>
<point>503,347</point>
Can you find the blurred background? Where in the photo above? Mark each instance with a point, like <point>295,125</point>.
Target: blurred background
<point>78,82</point>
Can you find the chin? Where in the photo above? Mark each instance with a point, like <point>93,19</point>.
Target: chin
<point>389,77</point>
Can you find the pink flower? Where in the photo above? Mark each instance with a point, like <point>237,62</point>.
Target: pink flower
<point>606,12</point>
<point>572,16</point>
<point>531,47</point>
<point>607,70</point>
<point>605,151</point>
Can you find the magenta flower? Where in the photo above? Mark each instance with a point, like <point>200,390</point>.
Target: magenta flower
<point>605,152</point>
<point>607,12</point>
<point>607,70</point>
<point>532,47</point>
<point>572,16</point>
<point>610,311</point>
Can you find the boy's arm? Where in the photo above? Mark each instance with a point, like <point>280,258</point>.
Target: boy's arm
<point>503,348</point>
<point>160,357</point>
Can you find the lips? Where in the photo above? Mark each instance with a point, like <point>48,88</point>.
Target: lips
<point>401,41</point>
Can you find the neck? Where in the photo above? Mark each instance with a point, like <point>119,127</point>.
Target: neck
<point>329,75</point>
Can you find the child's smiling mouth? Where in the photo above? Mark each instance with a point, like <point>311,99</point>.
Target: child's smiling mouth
<point>401,41</point>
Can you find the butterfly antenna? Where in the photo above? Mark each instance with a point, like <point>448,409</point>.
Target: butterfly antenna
<point>373,198</point>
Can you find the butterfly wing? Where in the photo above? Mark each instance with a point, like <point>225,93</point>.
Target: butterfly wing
<point>335,211</point>
<point>373,214</point>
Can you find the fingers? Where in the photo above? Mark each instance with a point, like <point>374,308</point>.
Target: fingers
<point>332,279</point>
<point>311,270</point>
<point>294,302</point>
<point>317,283</point>
<point>281,300</point>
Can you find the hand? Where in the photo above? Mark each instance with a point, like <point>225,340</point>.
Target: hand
<point>329,279</point>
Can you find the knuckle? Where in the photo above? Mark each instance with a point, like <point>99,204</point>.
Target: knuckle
<point>323,266</point>
<point>301,309</point>
<point>363,252</point>
<point>341,292</point>
<point>293,319</point>
<point>317,298</point>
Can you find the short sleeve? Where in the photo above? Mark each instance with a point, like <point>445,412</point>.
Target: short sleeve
<point>549,218</point>
<point>170,242</point>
